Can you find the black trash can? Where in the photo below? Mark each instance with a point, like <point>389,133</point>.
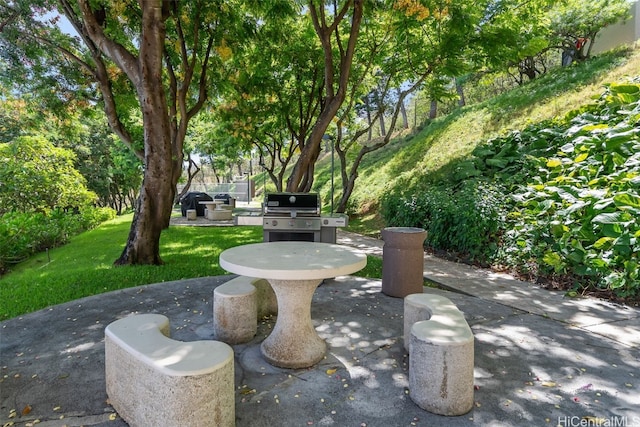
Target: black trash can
<point>402,261</point>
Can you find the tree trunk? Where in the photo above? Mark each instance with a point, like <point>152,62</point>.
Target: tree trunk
<point>460,90</point>
<point>300,177</point>
<point>383,130</point>
<point>349,178</point>
<point>433,111</point>
<point>405,118</point>
<point>155,201</point>
<point>190,176</point>
<point>368,108</point>
<point>527,67</point>
<point>403,111</point>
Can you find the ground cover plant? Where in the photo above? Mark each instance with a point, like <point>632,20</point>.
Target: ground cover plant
<point>84,266</point>
<point>558,201</point>
<point>578,214</point>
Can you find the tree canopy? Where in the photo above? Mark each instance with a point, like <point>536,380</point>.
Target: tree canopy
<point>575,24</point>
<point>151,66</point>
<point>276,76</point>
<point>36,176</point>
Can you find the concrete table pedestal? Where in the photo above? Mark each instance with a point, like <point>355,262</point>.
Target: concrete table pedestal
<point>294,269</point>
<point>294,343</point>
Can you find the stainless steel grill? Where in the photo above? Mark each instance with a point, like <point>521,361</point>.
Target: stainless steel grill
<point>292,216</point>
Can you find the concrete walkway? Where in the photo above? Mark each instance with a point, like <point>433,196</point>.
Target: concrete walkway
<point>616,322</point>
<point>540,359</point>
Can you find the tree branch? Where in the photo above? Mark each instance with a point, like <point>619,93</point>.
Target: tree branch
<point>124,59</point>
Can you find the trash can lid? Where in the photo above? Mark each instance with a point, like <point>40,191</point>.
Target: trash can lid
<point>404,230</point>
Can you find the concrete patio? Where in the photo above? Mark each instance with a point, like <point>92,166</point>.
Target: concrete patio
<point>540,359</point>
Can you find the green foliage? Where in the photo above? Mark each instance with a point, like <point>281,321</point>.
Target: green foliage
<point>23,234</point>
<point>465,220</point>
<point>111,169</point>
<point>37,176</point>
<point>11,122</point>
<point>572,19</point>
<point>511,31</point>
<point>558,200</point>
<point>574,193</point>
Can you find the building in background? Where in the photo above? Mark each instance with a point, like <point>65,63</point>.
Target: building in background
<point>626,32</point>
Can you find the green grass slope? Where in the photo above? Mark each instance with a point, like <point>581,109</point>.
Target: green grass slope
<point>431,154</point>
<point>541,180</point>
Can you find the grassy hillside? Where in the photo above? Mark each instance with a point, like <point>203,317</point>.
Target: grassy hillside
<point>541,180</point>
<point>432,153</point>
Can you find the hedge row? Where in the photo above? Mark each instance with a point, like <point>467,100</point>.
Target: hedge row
<point>24,234</point>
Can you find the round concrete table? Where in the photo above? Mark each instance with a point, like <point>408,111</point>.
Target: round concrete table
<point>294,269</point>
<point>212,204</point>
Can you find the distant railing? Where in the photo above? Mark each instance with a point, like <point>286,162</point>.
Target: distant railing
<point>237,190</point>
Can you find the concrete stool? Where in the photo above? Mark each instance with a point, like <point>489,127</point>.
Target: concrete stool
<point>192,214</point>
<point>441,355</point>
<point>235,312</point>
<point>266,299</point>
<point>153,380</point>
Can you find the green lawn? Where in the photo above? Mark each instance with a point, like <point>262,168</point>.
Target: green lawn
<point>85,266</point>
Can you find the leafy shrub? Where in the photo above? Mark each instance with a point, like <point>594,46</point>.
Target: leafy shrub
<point>559,200</point>
<point>37,176</point>
<point>465,220</point>
<point>575,199</point>
<point>23,234</point>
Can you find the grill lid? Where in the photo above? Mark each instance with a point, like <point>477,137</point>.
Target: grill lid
<point>287,203</point>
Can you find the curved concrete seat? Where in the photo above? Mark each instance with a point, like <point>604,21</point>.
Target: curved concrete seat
<point>155,380</point>
<point>441,354</point>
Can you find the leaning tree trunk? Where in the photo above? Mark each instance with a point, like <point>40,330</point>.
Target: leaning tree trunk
<point>368,109</point>
<point>403,111</point>
<point>335,94</point>
<point>155,202</point>
<point>460,90</point>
